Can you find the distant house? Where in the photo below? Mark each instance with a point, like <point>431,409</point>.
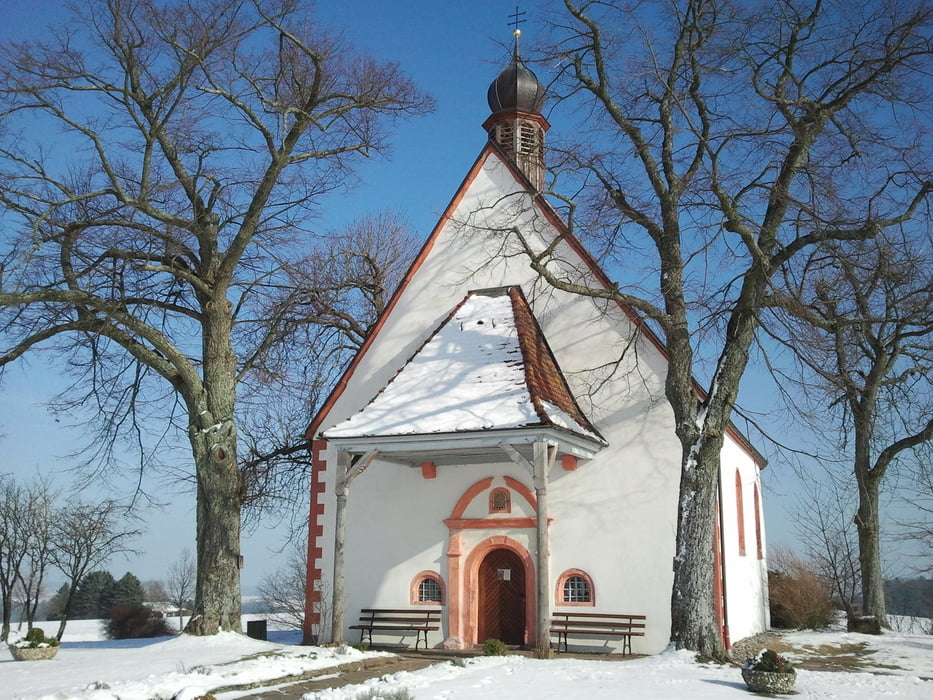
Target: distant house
<point>502,450</point>
<point>166,609</point>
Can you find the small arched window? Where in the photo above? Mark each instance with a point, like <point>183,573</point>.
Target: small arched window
<point>740,512</point>
<point>500,501</point>
<point>576,590</point>
<point>575,587</point>
<point>758,539</point>
<point>429,591</point>
<point>427,588</point>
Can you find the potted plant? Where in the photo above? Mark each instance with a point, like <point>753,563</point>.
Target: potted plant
<point>769,672</point>
<point>34,646</point>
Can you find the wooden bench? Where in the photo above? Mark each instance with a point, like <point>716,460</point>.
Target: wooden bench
<point>599,624</point>
<point>419,620</point>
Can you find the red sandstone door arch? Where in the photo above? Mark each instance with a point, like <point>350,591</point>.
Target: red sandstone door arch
<point>501,597</point>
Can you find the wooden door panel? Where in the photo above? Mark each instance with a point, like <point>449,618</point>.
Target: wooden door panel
<point>502,597</point>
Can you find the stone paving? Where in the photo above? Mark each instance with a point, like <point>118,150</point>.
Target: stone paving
<point>356,672</point>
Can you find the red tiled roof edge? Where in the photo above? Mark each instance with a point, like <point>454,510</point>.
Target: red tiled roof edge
<point>543,375</point>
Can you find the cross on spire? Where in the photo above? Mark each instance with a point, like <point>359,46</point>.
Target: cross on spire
<point>516,18</point>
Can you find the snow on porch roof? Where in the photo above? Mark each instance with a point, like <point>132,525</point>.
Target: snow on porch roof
<point>487,367</point>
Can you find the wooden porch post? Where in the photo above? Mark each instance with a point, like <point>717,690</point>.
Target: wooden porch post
<point>340,530</point>
<point>543,458</point>
<point>347,471</point>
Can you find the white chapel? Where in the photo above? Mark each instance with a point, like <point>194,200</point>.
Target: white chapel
<point>502,452</point>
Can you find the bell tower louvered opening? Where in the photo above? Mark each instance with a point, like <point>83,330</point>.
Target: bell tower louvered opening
<point>521,137</point>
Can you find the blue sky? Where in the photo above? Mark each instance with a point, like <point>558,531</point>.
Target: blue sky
<point>452,50</point>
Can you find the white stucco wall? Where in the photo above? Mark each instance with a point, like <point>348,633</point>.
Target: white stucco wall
<point>746,573</point>
<point>614,517</point>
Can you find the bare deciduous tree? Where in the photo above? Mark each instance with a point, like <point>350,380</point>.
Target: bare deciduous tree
<point>822,524</point>
<point>181,579</point>
<point>920,495</point>
<point>332,299</point>
<point>192,141</point>
<point>86,535</point>
<point>25,546</point>
<point>39,509</point>
<point>13,546</point>
<point>154,592</point>
<point>723,140</point>
<point>283,591</point>
<point>859,321</point>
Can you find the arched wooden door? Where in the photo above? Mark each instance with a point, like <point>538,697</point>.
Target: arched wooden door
<point>502,597</point>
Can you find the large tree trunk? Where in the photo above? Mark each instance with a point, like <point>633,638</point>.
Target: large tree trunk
<point>217,590</point>
<point>7,616</point>
<point>693,613</point>
<point>869,554</point>
<point>220,484</point>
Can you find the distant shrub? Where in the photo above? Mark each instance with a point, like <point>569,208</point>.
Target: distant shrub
<point>135,622</point>
<point>495,647</point>
<point>800,599</point>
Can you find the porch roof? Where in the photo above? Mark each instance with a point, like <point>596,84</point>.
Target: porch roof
<point>485,377</point>
<point>466,448</point>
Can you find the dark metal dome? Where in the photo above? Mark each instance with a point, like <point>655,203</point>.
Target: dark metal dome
<point>516,88</point>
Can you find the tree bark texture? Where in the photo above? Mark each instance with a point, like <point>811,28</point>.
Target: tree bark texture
<point>868,526</point>
<point>219,481</point>
<point>217,586</point>
<point>693,613</point>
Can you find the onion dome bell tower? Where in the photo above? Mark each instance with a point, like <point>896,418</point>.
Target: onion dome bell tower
<point>516,125</point>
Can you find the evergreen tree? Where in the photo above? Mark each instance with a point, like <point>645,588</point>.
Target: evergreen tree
<point>94,596</point>
<point>55,606</point>
<point>128,591</point>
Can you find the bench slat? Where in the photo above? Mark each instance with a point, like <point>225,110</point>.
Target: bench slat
<point>602,625</point>
<point>597,624</point>
<point>408,611</point>
<point>599,615</point>
<point>614,633</point>
<point>394,618</point>
<point>417,620</point>
<point>393,627</point>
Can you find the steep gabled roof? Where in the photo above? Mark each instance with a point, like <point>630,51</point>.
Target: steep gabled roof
<point>545,208</point>
<point>487,367</point>
<point>489,148</point>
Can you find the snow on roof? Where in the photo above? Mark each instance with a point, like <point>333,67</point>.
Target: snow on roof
<point>487,367</point>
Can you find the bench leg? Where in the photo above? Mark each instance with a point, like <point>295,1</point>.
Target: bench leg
<point>627,645</point>
<point>418,640</point>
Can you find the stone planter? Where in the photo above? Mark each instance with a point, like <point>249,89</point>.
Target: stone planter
<point>38,654</point>
<point>768,681</point>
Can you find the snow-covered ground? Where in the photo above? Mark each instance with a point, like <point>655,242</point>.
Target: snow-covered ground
<point>88,667</point>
